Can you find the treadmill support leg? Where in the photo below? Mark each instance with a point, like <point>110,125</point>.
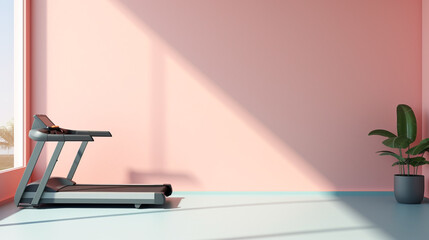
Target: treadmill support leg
<point>47,174</point>
<point>28,171</point>
<point>77,160</point>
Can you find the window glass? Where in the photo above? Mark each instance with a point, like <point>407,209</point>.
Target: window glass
<point>11,73</point>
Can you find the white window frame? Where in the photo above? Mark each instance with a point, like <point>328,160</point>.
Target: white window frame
<point>18,75</point>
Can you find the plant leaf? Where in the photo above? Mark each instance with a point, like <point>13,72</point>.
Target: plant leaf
<point>416,161</point>
<point>412,150</point>
<point>420,148</point>
<point>398,163</point>
<point>406,122</point>
<point>397,142</point>
<point>381,132</point>
<point>389,153</point>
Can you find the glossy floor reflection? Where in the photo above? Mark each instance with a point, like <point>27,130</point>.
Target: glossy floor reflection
<point>214,215</point>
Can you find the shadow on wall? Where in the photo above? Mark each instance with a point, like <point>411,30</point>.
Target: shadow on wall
<point>159,173</point>
<point>299,69</point>
<point>185,180</point>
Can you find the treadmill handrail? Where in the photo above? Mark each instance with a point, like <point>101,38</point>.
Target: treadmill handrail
<point>91,133</point>
<point>38,135</point>
<point>77,137</point>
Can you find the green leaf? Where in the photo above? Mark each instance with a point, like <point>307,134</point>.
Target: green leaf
<point>412,150</point>
<point>381,132</point>
<point>398,163</point>
<point>420,148</point>
<point>397,142</point>
<point>406,122</point>
<point>416,161</point>
<point>389,153</point>
<point>423,163</point>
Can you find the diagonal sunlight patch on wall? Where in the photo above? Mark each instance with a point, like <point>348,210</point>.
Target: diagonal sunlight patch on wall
<point>208,133</point>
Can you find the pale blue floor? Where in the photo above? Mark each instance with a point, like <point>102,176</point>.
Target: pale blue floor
<point>359,215</point>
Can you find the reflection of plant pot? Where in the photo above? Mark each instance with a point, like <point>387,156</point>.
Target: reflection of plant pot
<point>409,188</point>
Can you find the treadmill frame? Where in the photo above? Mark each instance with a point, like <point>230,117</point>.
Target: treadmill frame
<point>40,196</point>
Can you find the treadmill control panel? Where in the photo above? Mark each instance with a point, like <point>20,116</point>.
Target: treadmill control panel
<point>44,119</point>
<point>44,129</point>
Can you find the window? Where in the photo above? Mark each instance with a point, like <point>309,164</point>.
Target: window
<point>11,90</point>
<point>11,96</point>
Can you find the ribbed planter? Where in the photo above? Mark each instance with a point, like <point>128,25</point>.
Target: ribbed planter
<point>409,189</point>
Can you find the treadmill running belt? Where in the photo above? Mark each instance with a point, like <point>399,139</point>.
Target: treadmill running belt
<point>115,188</point>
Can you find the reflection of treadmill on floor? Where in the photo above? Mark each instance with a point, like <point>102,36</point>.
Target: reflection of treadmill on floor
<point>60,190</point>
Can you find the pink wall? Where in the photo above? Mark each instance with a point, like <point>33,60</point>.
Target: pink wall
<point>425,82</point>
<point>228,95</point>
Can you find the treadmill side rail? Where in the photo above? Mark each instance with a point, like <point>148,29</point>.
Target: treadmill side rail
<point>96,198</point>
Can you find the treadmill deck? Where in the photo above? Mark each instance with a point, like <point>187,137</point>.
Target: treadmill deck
<point>99,194</point>
<point>165,189</point>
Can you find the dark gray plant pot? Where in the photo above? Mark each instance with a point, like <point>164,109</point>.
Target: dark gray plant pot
<point>409,189</point>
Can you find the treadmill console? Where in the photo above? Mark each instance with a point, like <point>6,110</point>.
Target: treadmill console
<point>44,119</point>
<point>44,129</point>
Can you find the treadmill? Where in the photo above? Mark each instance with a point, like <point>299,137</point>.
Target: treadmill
<point>60,190</point>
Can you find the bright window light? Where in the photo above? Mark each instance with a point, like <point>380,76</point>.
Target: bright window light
<point>11,84</point>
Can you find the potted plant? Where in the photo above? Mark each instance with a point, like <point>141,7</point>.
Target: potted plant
<point>408,185</point>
